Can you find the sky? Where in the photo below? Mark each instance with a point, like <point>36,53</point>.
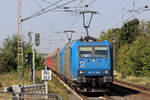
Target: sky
<point>51,25</point>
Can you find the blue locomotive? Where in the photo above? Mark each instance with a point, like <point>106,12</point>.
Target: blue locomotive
<point>89,65</point>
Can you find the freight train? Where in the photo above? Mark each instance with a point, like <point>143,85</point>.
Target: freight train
<point>88,65</point>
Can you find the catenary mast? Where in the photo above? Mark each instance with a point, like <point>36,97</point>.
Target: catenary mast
<point>20,47</point>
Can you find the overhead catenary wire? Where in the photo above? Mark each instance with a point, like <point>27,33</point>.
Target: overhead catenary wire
<point>39,11</point>
<point>57,25</point>
<point>60,23</point>
<point>59,6</point>
<point>38,4</point>
<point>45,11</point>
<point>116,13</point>
<point>74,21</point>
<point>54,27</point>
<point>92,2</point>
<point>126,20</point>
<point>54,24</point>
<point>51,3</point>
<point>65,18</point>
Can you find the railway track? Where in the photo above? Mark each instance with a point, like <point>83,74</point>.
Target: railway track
<point>83,96</point>
<point>99,96</point>
<point>140,89</point>
<point>128,91</point>
<point>121,91</point>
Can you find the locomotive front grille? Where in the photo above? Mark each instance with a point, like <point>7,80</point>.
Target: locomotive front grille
<point>103,79</point>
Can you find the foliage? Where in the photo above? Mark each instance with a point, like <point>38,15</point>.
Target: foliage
<point>39,61</point>
<point>54,86</point>
<point>8,55</point>
<point>132,48</point>
<point>129,32</point>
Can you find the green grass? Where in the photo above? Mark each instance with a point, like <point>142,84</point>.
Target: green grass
<point>56,87</point>
<point>143,81</point>
<point>12,78</point>
<point>9,79</point>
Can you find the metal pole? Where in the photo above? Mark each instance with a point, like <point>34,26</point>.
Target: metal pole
<point>37,51</point>
<point>46,86</point>
<point>114,56</point>
<point>20,45</point>
<point>33,50</point>
<point>87,32</point>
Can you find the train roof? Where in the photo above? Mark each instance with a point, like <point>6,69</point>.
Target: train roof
<point>75,42</point>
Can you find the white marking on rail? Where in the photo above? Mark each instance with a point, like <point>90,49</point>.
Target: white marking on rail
<point>102,98</point>
<point>96,98</point>
<point>67,86</point>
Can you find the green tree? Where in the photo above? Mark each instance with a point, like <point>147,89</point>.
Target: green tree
<point>129,32</point>
<point>8,55</point>
<point>132,47</point>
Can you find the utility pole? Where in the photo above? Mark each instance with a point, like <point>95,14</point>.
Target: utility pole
<point>114,53</point>
<point>20,47</point>
<point>33,61</point>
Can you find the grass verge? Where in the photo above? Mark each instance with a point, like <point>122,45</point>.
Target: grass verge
<point>142,81</point>
<point>12,78</point>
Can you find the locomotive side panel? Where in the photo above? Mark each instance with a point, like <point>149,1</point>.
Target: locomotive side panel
<point>54,66</point>
<point>61,62</point>
<point>51,60</point>
<point>67,63</point>
<point>58,61</point>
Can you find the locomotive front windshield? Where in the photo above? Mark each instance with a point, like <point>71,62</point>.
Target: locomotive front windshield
<point>93,51</point>
<point>100,51</point>
<point>86,51</point>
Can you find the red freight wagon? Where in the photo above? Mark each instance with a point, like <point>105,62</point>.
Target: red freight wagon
<point>50,60</point>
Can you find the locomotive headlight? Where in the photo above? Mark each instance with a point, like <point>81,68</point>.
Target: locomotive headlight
<point>81,72</point>
<point>93,60</point>
<point>106,72</point>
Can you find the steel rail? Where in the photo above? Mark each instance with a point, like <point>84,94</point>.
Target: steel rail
<point>132,86</point>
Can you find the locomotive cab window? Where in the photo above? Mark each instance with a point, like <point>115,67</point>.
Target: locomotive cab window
<point>101,51</point>
<point>93,51</point>
<point>85,51</point>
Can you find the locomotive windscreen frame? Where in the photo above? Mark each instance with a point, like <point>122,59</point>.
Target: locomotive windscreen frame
<point>93,51</point>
